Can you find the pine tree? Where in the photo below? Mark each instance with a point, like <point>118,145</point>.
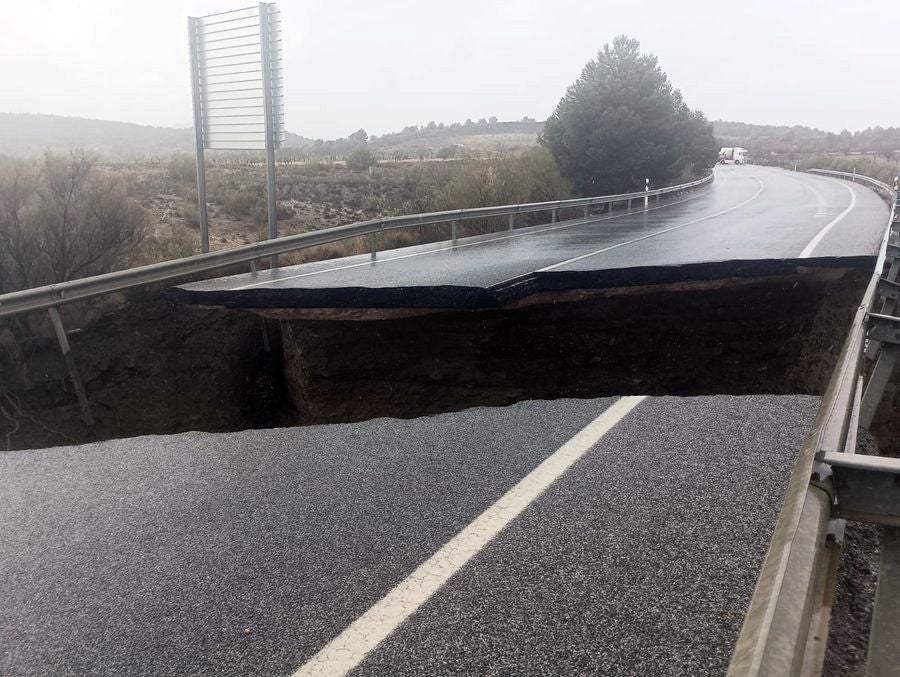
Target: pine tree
<point>622,122</point>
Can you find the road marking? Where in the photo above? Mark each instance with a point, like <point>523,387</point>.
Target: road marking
<point>579,222</point>
<point>808,250</point>
<point>822,208</point>
<point>349,648</point>
<point>762,187</point>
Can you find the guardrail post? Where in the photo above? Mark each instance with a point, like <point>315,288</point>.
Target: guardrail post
<point>372,249</point>
<point>512,221</point>
<point>657,198</point>
<point>646,190</point>
<point>63,340</point>
<point>453,232</point>
<point>884,651</point>
<point>629,204</point>
<point>586,211</point>
<point>254,268</point>
<point>553,216</point>
<point>881,374</point>
<point>609,208</point>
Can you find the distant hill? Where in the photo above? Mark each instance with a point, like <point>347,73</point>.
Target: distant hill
<point>482,136</point>
<point>26,134</point>
<point>29,134</point>
<point>779,142</point>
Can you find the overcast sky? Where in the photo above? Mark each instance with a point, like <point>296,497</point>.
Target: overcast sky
<point>384,64</point>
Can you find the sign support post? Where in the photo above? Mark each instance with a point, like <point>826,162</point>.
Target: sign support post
<point>198,136</point>
<point>268,116</point>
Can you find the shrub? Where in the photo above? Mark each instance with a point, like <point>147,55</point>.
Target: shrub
<point>361,159</point>
<point>182,168</point>
<point>61,220</point>
<point>241,202</point>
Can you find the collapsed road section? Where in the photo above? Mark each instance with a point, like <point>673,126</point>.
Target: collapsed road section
<point>733,327</point>
<point>771,327</point>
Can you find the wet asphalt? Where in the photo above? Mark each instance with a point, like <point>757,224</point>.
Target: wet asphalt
<point>245,553</point>
<point>748,213</point>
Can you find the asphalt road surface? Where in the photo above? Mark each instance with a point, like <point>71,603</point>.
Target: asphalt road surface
<point>748,213</point>
<point>613,536</point>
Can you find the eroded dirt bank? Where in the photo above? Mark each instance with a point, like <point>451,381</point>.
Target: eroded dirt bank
<point>157,367</point>
<point>771,335</point>
<point>151,367</point>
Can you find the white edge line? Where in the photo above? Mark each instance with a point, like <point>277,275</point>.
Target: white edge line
<point>579,222</point>
<point>821,202</point>
<point>762,187</point>
<point>348,649</point>
<point>808,250</point>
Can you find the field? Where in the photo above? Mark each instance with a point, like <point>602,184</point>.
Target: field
<point>316,195</point>
<point>309,197</point>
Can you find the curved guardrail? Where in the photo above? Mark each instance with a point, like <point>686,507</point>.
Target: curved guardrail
<point>883,189</point>
<point>775,637</point>
<point>53,295</point>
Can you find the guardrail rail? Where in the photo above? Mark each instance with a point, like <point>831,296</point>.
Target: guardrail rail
<point>785,628</point>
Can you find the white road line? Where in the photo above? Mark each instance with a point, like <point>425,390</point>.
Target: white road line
<point>348,649</point>
<point>562,226</point>
<point>821,202</point>
<point>762,187</point>
<point>808,250</point>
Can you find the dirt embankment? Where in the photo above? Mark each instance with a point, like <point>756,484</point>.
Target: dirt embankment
<point>156,367</point>
<point>151,367</point>
<point>761,335</point>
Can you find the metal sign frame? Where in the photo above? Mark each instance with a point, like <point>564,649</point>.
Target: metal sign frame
<point>237,91</point>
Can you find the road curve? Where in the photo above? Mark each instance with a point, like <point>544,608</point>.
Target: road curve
<point>749,213</point>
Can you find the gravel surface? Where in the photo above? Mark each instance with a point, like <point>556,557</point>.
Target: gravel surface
<point>246,553</point>
<point>639,561</point>
<point>240,553</point>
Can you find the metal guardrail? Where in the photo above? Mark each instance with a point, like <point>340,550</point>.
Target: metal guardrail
<point>782,633</point>
<point>53,295</point>
<point>879,187</point>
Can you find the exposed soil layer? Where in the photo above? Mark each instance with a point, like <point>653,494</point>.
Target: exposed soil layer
<point>150,367</point>
<point>775,335</point>
<point>157,367</point>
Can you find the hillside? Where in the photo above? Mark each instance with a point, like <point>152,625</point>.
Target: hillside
<point>28,134</point>
<point>782,142</point>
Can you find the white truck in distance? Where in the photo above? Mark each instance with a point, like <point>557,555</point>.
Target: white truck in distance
<point>733,156</point>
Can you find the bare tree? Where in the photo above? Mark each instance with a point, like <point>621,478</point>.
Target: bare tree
<point>62,220</point>
<point>19,249</point>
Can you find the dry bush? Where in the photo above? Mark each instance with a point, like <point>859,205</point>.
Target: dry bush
<point>241,202</point>
<point>182,168</point>
<point>165,247</point>
<point>61,220</point>
<point>883,170</point>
